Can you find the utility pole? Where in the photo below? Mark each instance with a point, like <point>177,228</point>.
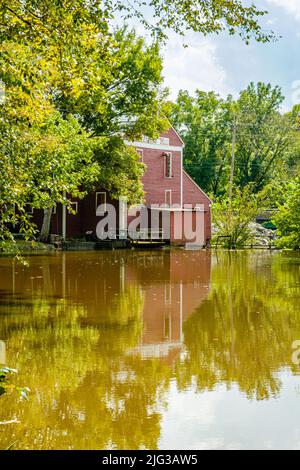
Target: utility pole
<point>232,160</point>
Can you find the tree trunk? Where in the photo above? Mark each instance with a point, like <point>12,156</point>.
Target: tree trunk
<point>44,235</point>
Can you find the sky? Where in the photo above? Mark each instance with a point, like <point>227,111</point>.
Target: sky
<point>226,65</point>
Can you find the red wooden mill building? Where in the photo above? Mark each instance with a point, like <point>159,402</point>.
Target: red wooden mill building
<point>165,182</point>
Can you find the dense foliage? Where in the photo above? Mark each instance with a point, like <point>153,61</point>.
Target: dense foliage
<point>287,219</point>
<point>266,142</point>
<point>73,91</point>
<point>232,218</point>
<point>266,147</point>
<point>205,122</point>
<point>158,16</point>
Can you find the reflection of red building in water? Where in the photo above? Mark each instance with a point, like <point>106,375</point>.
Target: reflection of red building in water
<point>165,182</point>
<point>170,286</point>
<point>170,301</point>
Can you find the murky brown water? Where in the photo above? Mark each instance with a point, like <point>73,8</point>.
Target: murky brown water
<point>168,349</point>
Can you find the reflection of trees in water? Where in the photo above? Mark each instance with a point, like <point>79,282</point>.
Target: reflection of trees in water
<point>243,333</point>
<point>87,393</point>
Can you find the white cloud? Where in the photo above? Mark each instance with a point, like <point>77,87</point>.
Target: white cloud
<point>196,66</point>
<point>291,6</point>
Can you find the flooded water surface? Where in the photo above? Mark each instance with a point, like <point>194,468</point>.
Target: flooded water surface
<point>165,349</point>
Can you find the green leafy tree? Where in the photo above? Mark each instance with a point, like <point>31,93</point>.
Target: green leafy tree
<point>292,157</point>
<point>287,220</point>
<point>211,16</point>
<point>266,142</point>
<point>263,135</point>
<point>71,100</point>
<point>158,16</point>
<point>232,218</point>
<point>205,121</point>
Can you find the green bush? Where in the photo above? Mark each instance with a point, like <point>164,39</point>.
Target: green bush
<point>232,219</point>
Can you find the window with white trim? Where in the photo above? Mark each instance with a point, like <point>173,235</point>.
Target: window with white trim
<point>73,209</point>
<point>54,208</point>
<point>168,197</point>
<point>100,203</point>
<point>168,165</point>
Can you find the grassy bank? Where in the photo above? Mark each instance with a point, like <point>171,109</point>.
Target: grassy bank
<point>21,247</point>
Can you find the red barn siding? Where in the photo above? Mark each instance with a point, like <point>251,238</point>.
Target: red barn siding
<point>154,180</point>
<point>192,194</point>
<point>77,224</point>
